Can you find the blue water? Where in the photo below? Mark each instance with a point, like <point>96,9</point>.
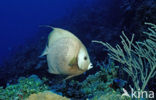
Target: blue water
<point>19,19</point>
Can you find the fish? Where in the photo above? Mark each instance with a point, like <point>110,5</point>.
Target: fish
<point>66,54</point>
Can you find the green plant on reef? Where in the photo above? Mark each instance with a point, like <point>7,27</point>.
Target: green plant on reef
<point>139,58</point>
<point>23,88</point>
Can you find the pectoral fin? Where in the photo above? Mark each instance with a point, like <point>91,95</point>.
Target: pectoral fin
<point>73,62</point>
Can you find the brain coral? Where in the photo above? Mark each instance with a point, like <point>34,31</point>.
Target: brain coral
<point>46,95</point>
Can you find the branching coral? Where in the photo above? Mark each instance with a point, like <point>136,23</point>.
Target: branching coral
<point>139,58</point>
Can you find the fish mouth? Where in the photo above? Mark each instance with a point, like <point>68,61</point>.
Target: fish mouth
<point>90,66</point>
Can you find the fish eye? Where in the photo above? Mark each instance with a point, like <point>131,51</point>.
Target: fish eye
<point>85,58</point>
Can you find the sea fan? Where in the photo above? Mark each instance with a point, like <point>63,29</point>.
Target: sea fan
<point>139,58</point>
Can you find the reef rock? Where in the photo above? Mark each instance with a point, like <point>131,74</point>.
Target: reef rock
<point>46,95</point>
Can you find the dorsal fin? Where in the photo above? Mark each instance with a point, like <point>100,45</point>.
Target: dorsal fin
<point>46,26</point>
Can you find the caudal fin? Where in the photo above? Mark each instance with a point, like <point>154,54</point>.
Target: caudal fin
<point>45,52</point>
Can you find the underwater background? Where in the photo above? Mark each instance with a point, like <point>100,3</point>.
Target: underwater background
<point>118,65</point>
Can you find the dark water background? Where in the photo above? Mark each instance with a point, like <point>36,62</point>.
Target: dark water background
<point>20,20</point>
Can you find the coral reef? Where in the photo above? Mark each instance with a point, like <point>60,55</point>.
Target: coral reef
<point>103,81</point>
<point>23,88</point>
<point>46,95</point>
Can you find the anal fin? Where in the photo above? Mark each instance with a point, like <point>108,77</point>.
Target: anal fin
<point>68,77</point>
